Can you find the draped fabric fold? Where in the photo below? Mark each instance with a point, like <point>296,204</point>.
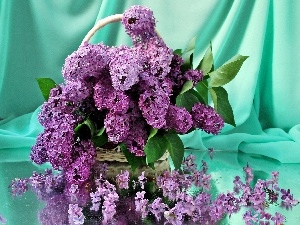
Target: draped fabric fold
<point>264,95</point>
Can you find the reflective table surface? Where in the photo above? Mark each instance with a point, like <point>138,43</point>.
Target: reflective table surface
<point>224,166</point>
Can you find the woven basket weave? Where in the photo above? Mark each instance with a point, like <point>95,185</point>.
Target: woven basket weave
<point>116,162</point>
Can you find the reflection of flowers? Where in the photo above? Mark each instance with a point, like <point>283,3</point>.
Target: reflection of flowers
<point>2,219</point>
<point>167,199</point>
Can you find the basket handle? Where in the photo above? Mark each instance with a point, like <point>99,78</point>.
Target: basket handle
<point>101,23</point>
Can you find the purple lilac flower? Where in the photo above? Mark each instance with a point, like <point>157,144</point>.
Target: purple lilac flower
<point>18,187</point>
<point>288,200</point>
<point>248,174</point>
<point>154,106</point>
<point>79,172</point>
<point>55,211</point>
<point>58,108</point>
<point>194,75</point>
<point>38,153</point>
<point>76,91</point>
<point>205,118</point>
<point>139,23</point>
<point>249,218</point>
<point>117,126</point>
<point>109,207</point>
<point>170,184</point>
<point>157,59</point>
<point>137,134</point>
<point>157,208</point>
<point>278,219</point>
<point>142,180</point>
<point>124,68</point>
<point>2,220</point>
<point>211,152</point>
<point>47,184</point>
<point>179,119</point>
<point>88,61</point>
<point>122,180</point>
<point>75,214</point>
<point>189,164</point>
<point>141,203</point>
<point>175,215</point>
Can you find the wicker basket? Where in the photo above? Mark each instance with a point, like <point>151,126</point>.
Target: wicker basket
<point>112,155</point>
<point>116,162</point>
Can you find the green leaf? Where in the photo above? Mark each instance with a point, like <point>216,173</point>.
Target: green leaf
<point>206,64</point>
<point>175,148</point>
<point>155,148</point>
<point>133,160</point>
<point>202,88</point>
<point>100,138</point>
<point>187,55</point>
<point>46,84</point>
<point>177,52</point>
<point>153,132</point>
<point>188,99</point>
<point>186,86</point>
<point>221,104</point>
<point>227,71</point>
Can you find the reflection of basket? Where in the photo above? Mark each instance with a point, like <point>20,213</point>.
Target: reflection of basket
<point>117,162</point>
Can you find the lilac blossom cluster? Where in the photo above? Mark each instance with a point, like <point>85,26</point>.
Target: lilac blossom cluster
<point>125,90</point>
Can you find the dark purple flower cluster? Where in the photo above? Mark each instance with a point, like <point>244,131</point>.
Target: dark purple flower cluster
<point>139,23</point>
<point>206,118</point>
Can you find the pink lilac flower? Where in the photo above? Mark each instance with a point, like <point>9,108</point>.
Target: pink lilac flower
<point>179,119</point>
<point>75,214</point>
<point>139,23</point>
<point>122,180</point>
<point>88,61</point>
<point>205,118</point>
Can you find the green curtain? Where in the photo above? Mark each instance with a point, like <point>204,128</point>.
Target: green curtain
<point>36,36</point>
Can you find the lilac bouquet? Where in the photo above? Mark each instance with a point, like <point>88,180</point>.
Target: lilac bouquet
<point>139,98</point>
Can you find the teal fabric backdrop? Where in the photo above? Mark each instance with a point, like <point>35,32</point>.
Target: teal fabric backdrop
<point>36,36</point>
